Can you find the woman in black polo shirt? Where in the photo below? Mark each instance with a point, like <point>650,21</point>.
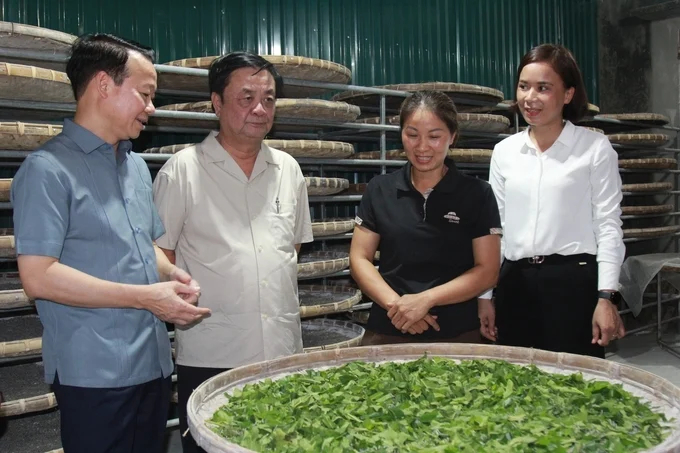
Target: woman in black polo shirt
<point>558,190</point>
<point>437,232</point>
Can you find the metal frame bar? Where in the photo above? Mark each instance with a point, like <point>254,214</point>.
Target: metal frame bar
<point>659,334</point>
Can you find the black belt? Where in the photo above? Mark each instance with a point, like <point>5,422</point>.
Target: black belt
<point>557,259</point>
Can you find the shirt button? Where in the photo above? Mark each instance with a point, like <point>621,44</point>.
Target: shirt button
<point>263,284</point>
<point>147,260</point>
<point>259,249</point>
<point>127,201</point>
<point>138,230</point>
<point>264,316</point>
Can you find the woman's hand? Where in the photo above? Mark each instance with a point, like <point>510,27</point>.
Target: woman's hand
<point>408,310</point>
<point>487,319</point>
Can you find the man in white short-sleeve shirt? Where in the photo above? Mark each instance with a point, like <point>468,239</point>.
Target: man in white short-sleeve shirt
<point>235,212</point>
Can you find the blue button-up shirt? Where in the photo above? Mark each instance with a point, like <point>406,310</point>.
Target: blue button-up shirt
<point>79,201</point>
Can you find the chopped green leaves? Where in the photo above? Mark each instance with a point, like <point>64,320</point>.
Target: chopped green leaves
<point>435,405</point>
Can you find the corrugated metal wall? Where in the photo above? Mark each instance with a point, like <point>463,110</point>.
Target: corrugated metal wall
<point>382,41</point>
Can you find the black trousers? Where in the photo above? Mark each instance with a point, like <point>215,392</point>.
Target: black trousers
<point>188,378</point>
<point>548,305</point>
<point>113,420</point>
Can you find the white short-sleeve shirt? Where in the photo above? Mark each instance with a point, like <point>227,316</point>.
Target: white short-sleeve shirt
<point>236,237</point>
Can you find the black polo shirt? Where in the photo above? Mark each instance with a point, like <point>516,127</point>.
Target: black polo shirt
<point>426,243</point>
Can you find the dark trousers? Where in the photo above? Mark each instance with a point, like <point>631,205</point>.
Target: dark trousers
<point>113,420</point>
<point>188,378</point>
<point>373,338</point>
<point>549,305</point>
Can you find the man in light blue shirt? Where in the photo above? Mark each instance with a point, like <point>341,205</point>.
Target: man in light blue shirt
<point>85,223</point>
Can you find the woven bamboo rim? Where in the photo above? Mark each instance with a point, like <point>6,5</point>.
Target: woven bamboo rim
<point>648,187</point>
<point>28,405</point>
<point>291,66</point>
<point>646,118</point>
<point>319,264</point>
<point>352,297</point>
<point>332,227</point>
<point>5,185</point>
<point>650,232</point>
<point>642,210</point>
<point>29,83</point>
<point>333,324</point>
<point>288,66</point>
<point>26,136</point>
<point>471,122</point>
<point>460,91</point>
<point>36,37</point>
<point>7,247</point>
<point>313,148</point>
<point>168,149</point>
<point>639,139</point>
<point>309,109</point>
<point>652,163</point>
<point>20,348</point>
<point>592,109</point>
<point>209,396</point>
<point>594,129</point>
<point>358,188</point>
<point>392,120</point>
<point>316,109</point>
<point>457,154</point>
<point>325,186</point>
<point>15,298</point>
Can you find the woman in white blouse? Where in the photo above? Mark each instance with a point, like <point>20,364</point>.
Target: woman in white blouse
<point>558,191</point>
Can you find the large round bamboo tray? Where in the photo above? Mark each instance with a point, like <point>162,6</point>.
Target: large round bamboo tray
<point>29,83</point>
<point>320,264</point>
<point>650,232</point>
<point>210,395</point>
<point>457,154</point>
<point>31,38</point>
<point>654,163</point>
<point>357,188</point>
<point>20,348</point>
<point>471,122</point>
<point>332,227</point>
<point>168,149</point>
<point>12,299</point>
<point>296,148</point>
<point>300,109</point>
<point>288,66</point>
<point>20,327</point>
<point>28,405</point>
<point>17,136</point>
<point>9,281</point>
<point>313,148</point>
<point>325,186</point>
<point>651,140</point>
<point>648,187</point>
<point>636,121</point>
<point>461,94</point>
<point>646,210</point>
<point>7,247</point>
<point>323,334</point>
<point>5,186</point>
<point>592,109</point>
<point>317,300</point>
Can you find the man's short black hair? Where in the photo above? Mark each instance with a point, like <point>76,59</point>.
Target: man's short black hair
<point>222,67</point>
<point>92,53</point>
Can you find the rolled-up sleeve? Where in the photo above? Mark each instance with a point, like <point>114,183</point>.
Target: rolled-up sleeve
<point>40,199</point>
<point>605,183</point>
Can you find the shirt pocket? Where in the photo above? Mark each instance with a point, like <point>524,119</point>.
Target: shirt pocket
<point>281,219</point>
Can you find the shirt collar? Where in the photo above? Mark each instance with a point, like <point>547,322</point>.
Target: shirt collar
<point>88,141</point>
<point>447,183</point>
<point>216,153</point>
<point>566,137</point>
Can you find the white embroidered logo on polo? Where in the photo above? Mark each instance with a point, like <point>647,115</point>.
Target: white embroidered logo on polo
<point>452,217</point>
<point>358,220</point>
